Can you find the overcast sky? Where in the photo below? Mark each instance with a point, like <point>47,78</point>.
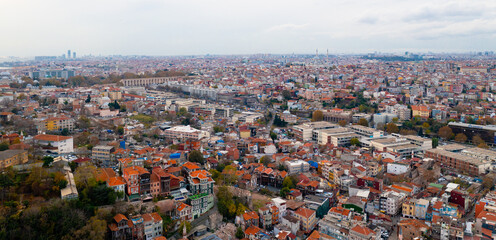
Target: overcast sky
<point>185,27</point>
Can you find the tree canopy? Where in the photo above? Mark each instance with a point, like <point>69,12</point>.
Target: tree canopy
<point>317,115</point>
<point>196,156</point>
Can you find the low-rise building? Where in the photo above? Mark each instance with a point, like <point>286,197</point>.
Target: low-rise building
<point>103,154</point>
<point>185,133</point>
<point>460,162</point>
<point>152,225</point>
<point>10,158</point>
<point>307,218</point>
<point>297,166</point>
<point>55,143</point>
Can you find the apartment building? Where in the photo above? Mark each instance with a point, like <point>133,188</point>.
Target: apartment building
<point>402,111</point>
<point>280,204</point>
<point>137,181</point>
<point>265,217</point>
<point>184,212</point>
<point>391,202</point>
<point>152,225</point>
<point>56,124</point>
<point>307,218</point>
<point>460,162</point>
<point>201,188</point>
<point>297,166</point>
<point>103,154</point>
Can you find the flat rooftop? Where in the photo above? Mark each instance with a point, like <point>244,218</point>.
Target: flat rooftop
<point>453,147</point>
<point>458,156</point>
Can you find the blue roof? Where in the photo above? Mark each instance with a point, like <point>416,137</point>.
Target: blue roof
<point>175,155</point>
<point>313,164</point>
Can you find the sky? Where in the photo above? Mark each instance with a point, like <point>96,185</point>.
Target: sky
<point>197,27</point>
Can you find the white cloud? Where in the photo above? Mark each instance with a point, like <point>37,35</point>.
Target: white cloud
<point>167,27</point>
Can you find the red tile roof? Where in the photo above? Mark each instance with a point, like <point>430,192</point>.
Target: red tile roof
<point>305,212</point>
<point>51,138</point>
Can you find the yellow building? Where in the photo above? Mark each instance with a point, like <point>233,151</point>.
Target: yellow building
<point>420,111</point>
<point>56,124</point>
<point>408,208</point>
<point>13,157</point>
<point>244,133</point>
<point>307,218</point>
<point>115,95</point>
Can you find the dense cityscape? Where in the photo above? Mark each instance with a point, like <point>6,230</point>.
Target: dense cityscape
<point>265,146</point>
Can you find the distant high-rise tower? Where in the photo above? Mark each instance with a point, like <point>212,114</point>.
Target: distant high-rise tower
<point>74,55</point>
<point>68,53</point>
<point>316,53</point>
<point>327,53</point>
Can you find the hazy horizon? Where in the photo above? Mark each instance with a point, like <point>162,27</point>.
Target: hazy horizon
<point>195,27</point>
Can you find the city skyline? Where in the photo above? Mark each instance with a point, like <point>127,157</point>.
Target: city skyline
<point>163,28</point>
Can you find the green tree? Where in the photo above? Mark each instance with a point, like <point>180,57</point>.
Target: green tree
<point>4,146</point>
<point>265,160</point>
<point>363,122</point>
<point>218,129</point>
<point>120,130</point>
<point>239,233</point>
<point>65,132</point>
<point>435,142</point>
<point>288,182</point>
<point>47,160</point>
<point>355,142</point>
<point>279,122</point>
<point>182,111</point>
<point>196,156</point>
<point>88,99</point>
<point>273,135</point>
<point>284,192</point>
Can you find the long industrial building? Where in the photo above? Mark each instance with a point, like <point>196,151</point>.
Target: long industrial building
<point>146,81</point>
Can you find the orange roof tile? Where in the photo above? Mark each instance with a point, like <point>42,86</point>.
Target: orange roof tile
<point>51,138</point>
<point>305,212</point>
